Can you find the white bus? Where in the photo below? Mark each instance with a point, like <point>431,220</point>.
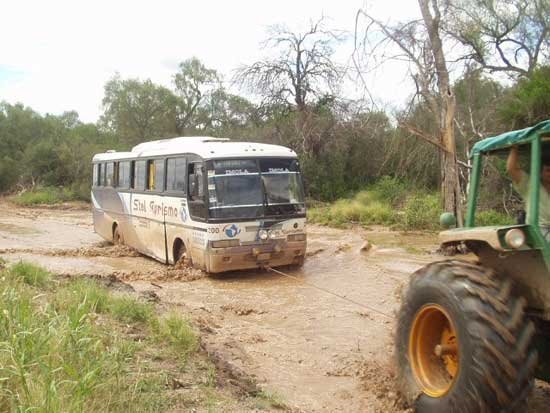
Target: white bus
<point>220,205</point>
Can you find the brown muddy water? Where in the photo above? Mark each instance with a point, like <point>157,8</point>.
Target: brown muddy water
<point>317,351</point>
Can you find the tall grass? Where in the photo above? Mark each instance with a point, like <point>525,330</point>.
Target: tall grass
<point>389,202</point>
<point>61,348</point>
<point>49,196</point>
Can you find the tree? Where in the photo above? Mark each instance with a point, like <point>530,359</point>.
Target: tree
<point>421,44</point>
<point>528,102</point>
<point>138,111</point>
<point>302,71</point>
<point>511,36</point>
<point>194,83</point>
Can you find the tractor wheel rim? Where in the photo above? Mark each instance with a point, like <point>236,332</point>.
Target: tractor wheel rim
<point>434,350</point>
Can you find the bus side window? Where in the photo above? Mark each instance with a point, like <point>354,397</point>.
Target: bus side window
<point>158,171</point>
<point>95,170</point>
<point>175,175</point>
<point>115,174</point>
<point>140,169</point>
<point>99,181</point>
<point>197,206</point>
<point>109,174</point>
<point>123,180</point>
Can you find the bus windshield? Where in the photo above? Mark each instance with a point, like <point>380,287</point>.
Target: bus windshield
<point>251,188</point>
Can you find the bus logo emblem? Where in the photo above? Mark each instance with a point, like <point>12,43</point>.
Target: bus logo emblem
<point>231,230</point>
<point>183,213</point>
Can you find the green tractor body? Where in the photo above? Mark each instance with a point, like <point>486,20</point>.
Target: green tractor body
<point>475,334</point>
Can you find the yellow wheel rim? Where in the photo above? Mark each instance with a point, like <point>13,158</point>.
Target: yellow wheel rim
<point>433,350</point>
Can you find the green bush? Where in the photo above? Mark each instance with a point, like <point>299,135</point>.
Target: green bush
<point>361,209</point>
<point>388,189</point>
<point>422,211</point>
<point>492,218</point>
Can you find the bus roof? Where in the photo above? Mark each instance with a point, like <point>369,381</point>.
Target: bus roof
<point>204,146</point>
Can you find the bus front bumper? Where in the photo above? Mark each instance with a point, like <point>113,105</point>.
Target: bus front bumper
<point>270,254</point>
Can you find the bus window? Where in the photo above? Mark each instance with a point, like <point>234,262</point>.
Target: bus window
<point>196,190</point>
<point>95,174</point>
<point>150,175</point>
<point>158,184</point>
<point>139,175</point>
<point>124,174</point>
<point>109,174</point>
<point>155,169</point>
<point>175,174</point>
<point>115,174</point>
<point>99,181</point>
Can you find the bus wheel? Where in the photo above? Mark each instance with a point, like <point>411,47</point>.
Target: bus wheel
<point>117,236</point>
<point>180,253</point>
<point>463,342</point>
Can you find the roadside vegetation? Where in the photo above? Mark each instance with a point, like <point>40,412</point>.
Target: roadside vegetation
<point>73,345</point>
<point>395,203</point>
<point>48,196</point>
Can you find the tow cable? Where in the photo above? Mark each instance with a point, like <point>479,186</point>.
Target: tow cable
<point>367,307</point>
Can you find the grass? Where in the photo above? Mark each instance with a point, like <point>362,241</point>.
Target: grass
<point>47,196</point>
<point>62,347</point>
<point>389,202</point>
<point>492,217</point>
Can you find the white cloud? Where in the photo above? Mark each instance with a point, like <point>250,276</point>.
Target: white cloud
<point>61,53</point>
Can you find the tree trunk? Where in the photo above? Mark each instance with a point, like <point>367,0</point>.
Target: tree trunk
<point>450,185</point>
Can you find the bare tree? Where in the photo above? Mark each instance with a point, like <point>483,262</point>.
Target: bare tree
<point>510,36</point>
<point>420,43</point>
<point>302,70</point>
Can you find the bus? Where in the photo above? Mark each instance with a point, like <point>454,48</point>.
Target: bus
<point>210,202</point>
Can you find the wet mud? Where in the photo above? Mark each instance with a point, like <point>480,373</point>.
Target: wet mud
<point>319,337</point>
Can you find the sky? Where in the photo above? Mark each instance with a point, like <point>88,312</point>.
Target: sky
<point>56,56</point>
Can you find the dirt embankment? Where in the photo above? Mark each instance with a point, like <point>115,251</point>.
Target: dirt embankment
<point>319,340</point>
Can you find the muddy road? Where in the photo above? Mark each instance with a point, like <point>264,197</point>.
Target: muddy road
<point>320,338</point>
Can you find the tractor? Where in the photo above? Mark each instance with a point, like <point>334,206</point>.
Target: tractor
<point>473,333</point>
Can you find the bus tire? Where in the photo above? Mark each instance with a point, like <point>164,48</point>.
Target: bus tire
<point>180,252</point>
<point>117,236</point>
<point>463,341</point>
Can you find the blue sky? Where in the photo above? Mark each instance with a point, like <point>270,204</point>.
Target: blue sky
<point>57,55</point>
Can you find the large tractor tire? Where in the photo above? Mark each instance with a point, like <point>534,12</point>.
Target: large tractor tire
<point>463,342</point>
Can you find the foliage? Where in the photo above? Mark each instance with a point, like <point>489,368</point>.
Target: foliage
<point>30,274</point>
<point>491,217</point>
<point>62,348</point>
<point>138,110</point>
<point>173,329</point>
<point>528,102</point>
<point>48,196</point>
<point>422,211</point>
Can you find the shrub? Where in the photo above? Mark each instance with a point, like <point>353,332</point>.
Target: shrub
<point>388,189</point>
<point>421,211</point>
<point>491,217</point>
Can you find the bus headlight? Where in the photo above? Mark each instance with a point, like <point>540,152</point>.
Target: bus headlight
<point>296,237</point>
<point>263,235</point>
<point>515,238</point>
<point>226,243</point>
<point>275,233</point>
